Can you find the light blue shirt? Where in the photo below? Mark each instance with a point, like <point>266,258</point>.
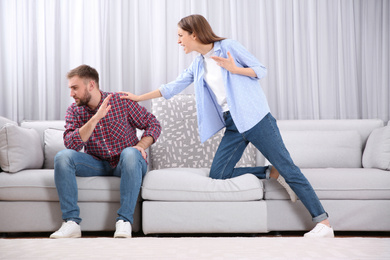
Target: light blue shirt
<point>245,97</point>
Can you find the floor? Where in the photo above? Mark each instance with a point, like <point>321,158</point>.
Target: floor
<point>101,234</point>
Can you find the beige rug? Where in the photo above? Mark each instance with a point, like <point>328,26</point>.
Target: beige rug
<point>196,248</point>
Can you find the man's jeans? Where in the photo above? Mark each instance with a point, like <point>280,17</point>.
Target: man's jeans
<point>265,136</point>
<point>68,164</point>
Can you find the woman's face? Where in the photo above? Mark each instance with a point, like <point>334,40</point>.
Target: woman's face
<point>188,41</point>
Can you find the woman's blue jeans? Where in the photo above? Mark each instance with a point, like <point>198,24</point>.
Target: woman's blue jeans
<point>265,136</point>
<point>69,163</point>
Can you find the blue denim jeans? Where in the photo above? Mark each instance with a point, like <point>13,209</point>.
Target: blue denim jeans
<point>265,136</point>
<point>69,163</point>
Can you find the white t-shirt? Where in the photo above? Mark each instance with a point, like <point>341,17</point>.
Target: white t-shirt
<point>213,77</point>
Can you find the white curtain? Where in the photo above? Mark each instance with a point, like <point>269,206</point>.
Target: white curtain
<point>326,59</point>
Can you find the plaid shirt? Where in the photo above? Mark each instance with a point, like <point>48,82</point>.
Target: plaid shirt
<point>113,133</point>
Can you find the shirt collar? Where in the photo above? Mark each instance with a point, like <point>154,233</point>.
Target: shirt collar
<point>217,47</point>
<point>93,111</point>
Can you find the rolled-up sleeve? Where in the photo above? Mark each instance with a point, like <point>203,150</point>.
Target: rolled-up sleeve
<point>175,87</point>
<point>245,58</point>
<point>72,138</point>
<point>144,120</point>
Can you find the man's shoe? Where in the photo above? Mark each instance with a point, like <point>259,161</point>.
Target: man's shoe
<point>69,229</point>
<point>290,192</point>
<point>320,230</point>
<point>123,229</point>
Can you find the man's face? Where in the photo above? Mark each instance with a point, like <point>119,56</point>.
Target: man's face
<point>79,90</point>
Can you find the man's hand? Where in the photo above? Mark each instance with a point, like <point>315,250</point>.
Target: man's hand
<point>87,129</point>
<point>128,95</point>
<point>104,108</point>
<point>143,144</point>
<point>142,150</point>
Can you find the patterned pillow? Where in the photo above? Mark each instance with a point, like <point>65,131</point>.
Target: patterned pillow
<point>179,143</point>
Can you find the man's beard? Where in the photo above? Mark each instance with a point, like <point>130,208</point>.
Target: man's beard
<point>84,100</point>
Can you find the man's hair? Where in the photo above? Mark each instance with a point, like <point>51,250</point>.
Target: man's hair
<point>198,24</point>
<point>86,73</point>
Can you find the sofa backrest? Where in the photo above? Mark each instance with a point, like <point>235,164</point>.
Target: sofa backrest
<point>179,143</point>
<point>41,126</point>
<point>326,143</point>
<point>51,133</point>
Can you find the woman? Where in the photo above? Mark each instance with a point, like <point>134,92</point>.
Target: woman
<point>228,95</point>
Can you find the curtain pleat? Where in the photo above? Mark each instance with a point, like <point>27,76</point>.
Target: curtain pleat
<point>326,59</point>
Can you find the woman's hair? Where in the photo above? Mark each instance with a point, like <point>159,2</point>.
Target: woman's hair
<point>198,24</point>
<point>85,72</point>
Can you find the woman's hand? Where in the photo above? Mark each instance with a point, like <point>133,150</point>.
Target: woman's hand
<point>128,95</point>
<point>228,64</point>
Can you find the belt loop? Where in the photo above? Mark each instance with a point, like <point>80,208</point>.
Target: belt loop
<point>225,114</point>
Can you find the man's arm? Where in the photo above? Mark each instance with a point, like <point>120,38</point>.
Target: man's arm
<point>142,119</point>
<point>143,144</point>
<point>87,129</point>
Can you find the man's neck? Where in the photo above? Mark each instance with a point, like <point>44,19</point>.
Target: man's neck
<point>95,100</point>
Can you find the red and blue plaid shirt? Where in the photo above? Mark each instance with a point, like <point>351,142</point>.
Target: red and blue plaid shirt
<point>113,133</point>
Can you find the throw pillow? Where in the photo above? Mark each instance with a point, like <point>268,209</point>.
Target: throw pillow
<point>179,144</point>
<point>54,142</point>
<point>4,121</point>
<point>20,148</point>
<point>377,151</point>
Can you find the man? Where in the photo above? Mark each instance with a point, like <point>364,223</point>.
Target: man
<point>105,126</point>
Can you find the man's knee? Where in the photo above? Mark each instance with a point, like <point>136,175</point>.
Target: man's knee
<point>131,158</point>
<point>130,153</point>
<point>64,156</point>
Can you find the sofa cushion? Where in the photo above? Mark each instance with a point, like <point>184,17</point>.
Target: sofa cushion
<point>20,148</point>
<point>189,184</point>
<point>179,143</point>
<point>377,151</point>
<point>339,184</point>
<point>38,185</point>
<point>322,149</point>
<point>4,121</point>
<point>53,139</point>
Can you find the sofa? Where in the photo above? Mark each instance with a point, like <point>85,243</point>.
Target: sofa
<point>346,161</point>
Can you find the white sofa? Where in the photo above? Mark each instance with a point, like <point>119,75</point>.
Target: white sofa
<point>349,174</point>
<point>28,195</point>
<point>346,161</point>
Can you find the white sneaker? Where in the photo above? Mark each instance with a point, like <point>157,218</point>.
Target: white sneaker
<point>320,230</point>
<point>123,229</point>
<point>69,229</point>
<point>290,192</point>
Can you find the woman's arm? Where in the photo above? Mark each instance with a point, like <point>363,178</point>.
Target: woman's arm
<point>150,95</point>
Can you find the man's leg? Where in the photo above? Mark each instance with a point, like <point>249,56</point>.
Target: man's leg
<point>131,168</point>
<point>67,165</point>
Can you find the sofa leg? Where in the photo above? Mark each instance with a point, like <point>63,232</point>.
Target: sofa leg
<point>3,235</point>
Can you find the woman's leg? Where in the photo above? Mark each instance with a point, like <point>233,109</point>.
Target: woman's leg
<point>229,152</point>
<point>266,137</point>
